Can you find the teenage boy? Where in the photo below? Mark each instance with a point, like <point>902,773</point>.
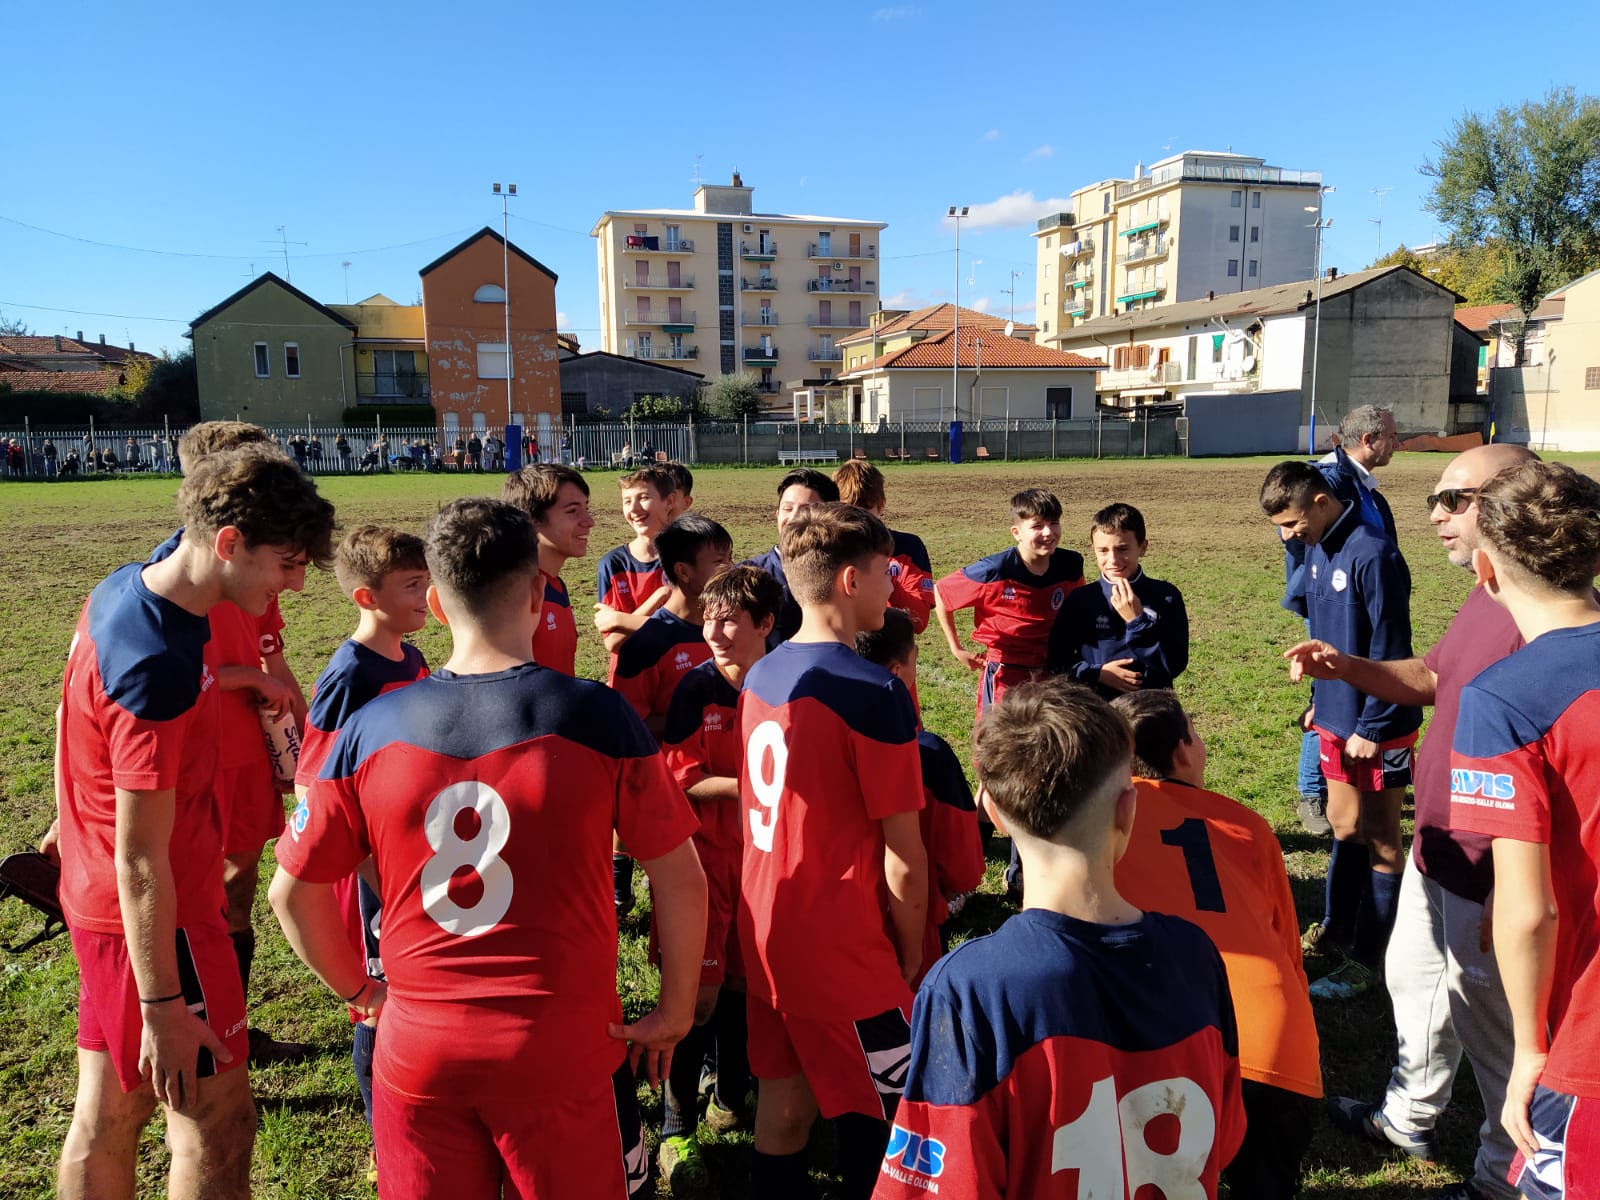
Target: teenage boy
<point>1015,596</point>
<point>1208,859</point>
<point>384,573</point>
<point>628,580</point>
<point>703,748</point>
<point>1525,771</point>
<point>798,488</point>
<point>949,817</point>
<point>556,499</point>
<point>1357,600</point>
<point>161,1015</point>
<point>1084,1036</point>
<point>502,1061</point>
<point>1129,631</point>
<point>860,483</point>
<point>830,788</point>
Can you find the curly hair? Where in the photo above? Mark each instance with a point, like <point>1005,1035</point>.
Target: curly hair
<point>1543,520</point>
<point>369,552</point>
<point>263,495</point>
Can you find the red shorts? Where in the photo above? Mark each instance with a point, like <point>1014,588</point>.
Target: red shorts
<point>1391,769</point>
<point>721,960</point>
<point>108,999</point>
<point>252,808</point>
<point>582,1142</point>
<point>1567,1164</point>
<point>997,677</point>
<point>851,1066</point>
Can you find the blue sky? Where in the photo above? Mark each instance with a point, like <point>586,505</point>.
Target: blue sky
<point>373,131</point>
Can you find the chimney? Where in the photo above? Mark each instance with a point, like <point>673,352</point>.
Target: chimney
<point>80,335</point>
<point>737,181</point>
<point>1333,273</point>
<point>130,343</point>
<point>102,339</point>
<point>58,343</point>
<point>1308,296</point>
<point>1211,295</point>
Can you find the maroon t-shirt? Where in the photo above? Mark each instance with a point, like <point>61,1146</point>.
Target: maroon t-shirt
<point>1481,634</point>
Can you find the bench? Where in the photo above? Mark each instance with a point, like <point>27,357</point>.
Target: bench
<point>791,457</point>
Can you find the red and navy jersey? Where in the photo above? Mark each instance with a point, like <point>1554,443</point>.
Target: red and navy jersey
<point>649,665</point>
<point>912,573</point>
<point>1525,767</point>
<point>555,642</point>
<point>949,834</point>
<point>354,676</point>
<point>788,620</point>
<point>702,741</point>
<point>488,803</point>
<point>1358,599</point>
<point>138,712</point>
<point>830,751</point>
<point>1089,633</point>
<point>624,582</point>
<point>1013,609</point>
<point>1040,1050</point>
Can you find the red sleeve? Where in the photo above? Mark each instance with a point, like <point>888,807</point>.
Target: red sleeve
<point>653,816</point>
<point>896,770</point>
<point>269,629</point>
<point>963,1147</point>
<point>314,752</point>
<point>145,756</point>
<point>958,590</point>
<point>688,760</point>
<point>913,591</point>
<point>957,850</point>
<point>638,690</point>
<point>326,834</point>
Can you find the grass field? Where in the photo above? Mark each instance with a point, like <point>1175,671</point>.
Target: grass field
<point>1207,535</point>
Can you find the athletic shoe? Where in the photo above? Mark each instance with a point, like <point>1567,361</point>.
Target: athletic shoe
<point>1318,940</point>
<point>1366,1121</point>
<point>1462,1191</point>
<point>372,1167</point>
<point>265,1050</point>
<point>1345,982</point>
<point>957,903</point>
<point>681,1168</point>
<point>723,1120</point>
<point>1313,812</point>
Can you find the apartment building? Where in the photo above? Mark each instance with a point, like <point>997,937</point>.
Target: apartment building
<point>1192,225</point>
<point>721,288</point>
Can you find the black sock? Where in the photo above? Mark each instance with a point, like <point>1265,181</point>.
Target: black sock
<point>733,1050</point>
<point>622,880</point>
<point>681,1116</point>
<point>1348,867</point>
<point>1375,918</point>
<point>778,1176</point>
<point>862,1141</point>
<point>244,949</point>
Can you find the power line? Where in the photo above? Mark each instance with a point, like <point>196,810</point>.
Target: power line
<point>81,312</point>
<point>72,237</point>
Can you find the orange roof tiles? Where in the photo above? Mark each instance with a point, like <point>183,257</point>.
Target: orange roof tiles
<point>933,318</point>
<point>1478,317</point>
<point>983,348</point>
<point>93,382</point>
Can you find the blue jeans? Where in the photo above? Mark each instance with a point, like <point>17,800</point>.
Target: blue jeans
<point>1308,776</point>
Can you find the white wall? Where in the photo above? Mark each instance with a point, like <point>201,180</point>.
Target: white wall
<point>1284,253</point>
<point>1025,389</point>
<point>1283,342</point>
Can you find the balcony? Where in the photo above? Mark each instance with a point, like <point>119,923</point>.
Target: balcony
<point>660,283</point>
<point>836,322</point>
<point>761,355</point>
<point>839,285</point>
<point>387,389</point>
<point>764,284</point>
<point>1054,221</point>
<point>1078,248</point>
<point>826,354</point>
<point>1141,377</point>
<point>641,243</point>
<point>660,316</point>
<point>1080,277</point>
<point>667,353</point>
<point>1194,172</point>
<point>1076,307</point>
<point>1142,292</point>
<point>813,250</point>
<point>766,316</point>
<point>764,251</point>
<point>1143,249</point>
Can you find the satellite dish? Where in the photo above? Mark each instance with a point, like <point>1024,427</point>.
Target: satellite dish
<point>1010,328</point>
<point>1249,362</point>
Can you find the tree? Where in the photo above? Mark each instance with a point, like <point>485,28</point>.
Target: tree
<point>731,397</point>
<point>13,326</point>
<point>1472,272</point>
<point>1527,178</point>
<point>656,408</point>
<point>171,388</point>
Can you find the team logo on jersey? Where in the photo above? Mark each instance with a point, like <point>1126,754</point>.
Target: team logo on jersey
<point>1340,580</point>
<point>713,722</point>
<point>927,584</point>
<point>270,644</point>
<point>1008,592</point>
<point>206,678</point>
<point>622,585</point>
<point>1103,623</point>
<point>914,1153</point>
<point>550,622</point>
<point>300,817</point>
<point>1465,784</point>
<point>1056,598</point>
<point>681,660</point>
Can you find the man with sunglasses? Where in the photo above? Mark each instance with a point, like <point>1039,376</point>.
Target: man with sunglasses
<point>1440,948</point>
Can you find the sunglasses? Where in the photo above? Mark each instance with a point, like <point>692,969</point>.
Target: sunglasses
<point>1452,499</point>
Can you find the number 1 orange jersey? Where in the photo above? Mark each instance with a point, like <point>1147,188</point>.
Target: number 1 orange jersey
<point>1210,860</point>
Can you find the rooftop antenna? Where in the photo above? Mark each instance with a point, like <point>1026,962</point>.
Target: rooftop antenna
<point>1011,293</point>
<point>346,265</point>
<point>285,243</point>
<point>696,180</point>
<point>1380,193</point>
<point>972,272</point>
<point>251,274</point>
<point>1171,137</point>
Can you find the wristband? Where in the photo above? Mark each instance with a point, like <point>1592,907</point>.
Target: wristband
<point>162,999</point>
<point>352,997</point>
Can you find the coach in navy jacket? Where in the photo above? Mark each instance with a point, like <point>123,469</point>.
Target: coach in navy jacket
<point>1089,633</point>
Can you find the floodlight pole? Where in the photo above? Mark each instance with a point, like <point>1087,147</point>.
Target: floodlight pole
<point>955,335</point>
<point>505,282</point>
<point>1319,225</point>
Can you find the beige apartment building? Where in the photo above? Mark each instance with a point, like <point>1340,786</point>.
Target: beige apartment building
<point>1190,226</point>
<point>720,288</point>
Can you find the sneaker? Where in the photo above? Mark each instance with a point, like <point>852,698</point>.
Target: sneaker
<point>265,1050</point>
<point>723,1120</point>
<point>1317,939</point>
<point>1313,812</point>
<point>957,903</point>
<point>1366,1121</point>
<point>681,1168</point>
<point>1462,1191</point>
<point>372,1167</point>
<point>1345,982</point>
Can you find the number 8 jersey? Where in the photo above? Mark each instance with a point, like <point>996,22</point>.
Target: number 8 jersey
<point>488,803</point>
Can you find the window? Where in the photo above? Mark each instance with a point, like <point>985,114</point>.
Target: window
<point>263,362</point>
<point>1058,404</point>
<point>641,227</point>
<point>1046,300</point>
<point>673,237</point>
<point>1252,269</point>
<point>1047,270</point>
<point>492,360</point>
<point>824,244</point>
<point>1255,233</point>
<point>826,373</point>
<point>489,293</point>
<point>1591,378</point>
<point>1235,199</point>
<point>574,404</point>
<point>1105,202</point>
<point>1049,241</point>
<point>1233,268</point>
<point>1047,324</point>
<point>1255,199</point>
<point>1233,233</point>
<point>291,360</point>
<point>1194,355</point>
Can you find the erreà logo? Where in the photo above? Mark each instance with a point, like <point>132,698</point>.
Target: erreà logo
<point>1482,783</point>
<point>681,659</point>
<point>921,1155</point>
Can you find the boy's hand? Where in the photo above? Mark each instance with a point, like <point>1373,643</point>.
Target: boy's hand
<point>1315,659</point>
<point>169,1051</point>
<point>650,1041</point>
<point>275,697</point>
<point>1360,749</point>
<point>1128,605</point>
<point>1308,717</point>
<point>50,843</point>
<point>969,660</point>
<point>1526,1068</point>
<point>1122,676</point>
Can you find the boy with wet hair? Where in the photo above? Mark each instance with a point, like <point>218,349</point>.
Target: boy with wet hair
<point>556,499</point>
<point>798,488</point>
<point>628,580</point>
<point>860,483</point>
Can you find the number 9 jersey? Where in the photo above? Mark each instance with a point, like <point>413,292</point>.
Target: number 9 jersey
<point>488,804</point>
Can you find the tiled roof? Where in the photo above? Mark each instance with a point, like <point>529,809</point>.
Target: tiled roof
<point>983,348</point>
<point>932,318</point>
<point>50,346</point>
<point>1478,317</point>
<point>93,382</point>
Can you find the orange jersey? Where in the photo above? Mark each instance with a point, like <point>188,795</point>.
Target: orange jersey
<point>1210,860</point>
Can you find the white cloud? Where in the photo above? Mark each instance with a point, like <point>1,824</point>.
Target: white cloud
<point>899,12</point>
<point>1014,211</point>
<point>562,320</point>
<point>982,304</point>
<point>1045,151</point>
<point>903,299</point>
<point>992,136</point>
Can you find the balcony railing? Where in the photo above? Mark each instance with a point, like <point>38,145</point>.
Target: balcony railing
<point>1054,220</point>
<point>1077,248</point>
<point>1083,274</point>
<point>758,285</point>
<point>1218,173</point>
<point>766,316</point>
<point>658,316</point>
<point>667,353</point>
<point>1139,377</point>
<point>392,387</point>
<point>761,354</point>
<point>1074,308</point>
<point>1143,248</point>
<point>766,249</point>
<point>826,354</point>
<point>839,285</point>
<point>813,250</point>
<point>641,243</point>
<point>663,283</point>
<point>836,322</point>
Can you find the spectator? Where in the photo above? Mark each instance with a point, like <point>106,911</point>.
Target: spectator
<point>297,447</point>
<point>71,466</point>
<point>461,452</point>
<point>130,454</point>
<point>381,446</point>
<point>172,453</point>
<point>158,453</point>
<point>495,447</point>
<point>341,446</point>
<point>475,452</point>
<point>108,459</point>
<point>49,449</point>
<point>566,448</point>
<point>627,454</point>
<point>314,453</point>
<point>533,447</point>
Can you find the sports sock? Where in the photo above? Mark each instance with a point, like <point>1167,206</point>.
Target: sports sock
<point>366,1042</point>
<point>862,1141</point>
<point>622,879</point>
<point>681,1116</point>
<point>1375,918</point>
<point>778,1176</point>
<point>1347,880</point>
<point>244,949</point>
<point>733,1050</point>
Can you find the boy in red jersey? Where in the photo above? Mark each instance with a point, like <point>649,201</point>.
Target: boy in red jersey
<point>1525,771</point>
<point>161,1014</point>
<point>556,498</point>
<point>486,794</point>
<point>949,817</point>
<point>703,748</point>
<point>860,483</point>
<point>1210,860</point>
<point>831,786</point>
<point>384,572</point>
<point>628,580</point>
<point>797,489</point>
<point>1085,1048</point>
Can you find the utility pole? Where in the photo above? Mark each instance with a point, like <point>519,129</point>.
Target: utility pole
<point>1011,295</point>
<point>955,336</point>
<point>505,281</point>
<point>346,265</point>
<point>284,243</point>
